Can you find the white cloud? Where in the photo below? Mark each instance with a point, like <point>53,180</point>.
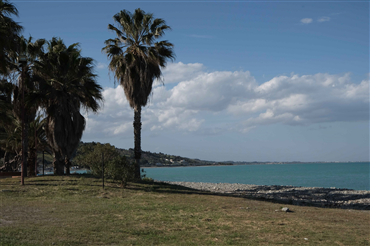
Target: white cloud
<point>212,91</point>
<point>306,20</point>
<point>323,19</point>
<point>101,65</point>
<point>214,102</point>
<point>177,72</point>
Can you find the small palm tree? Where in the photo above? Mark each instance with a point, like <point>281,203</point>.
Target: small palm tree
<point>8,126</point>
<point>136,60</point>
<point>36,142</point>
<point>66,83</point>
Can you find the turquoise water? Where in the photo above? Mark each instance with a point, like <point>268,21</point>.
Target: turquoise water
<point>340,175</point>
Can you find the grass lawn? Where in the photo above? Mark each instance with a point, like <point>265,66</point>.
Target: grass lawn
<point>75,210</point>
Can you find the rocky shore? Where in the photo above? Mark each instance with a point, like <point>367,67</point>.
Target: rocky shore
<point>310,196</point>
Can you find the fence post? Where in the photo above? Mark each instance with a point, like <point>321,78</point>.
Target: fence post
<point>35,152</point>
<point>43,162</point>
<point>102,158</point>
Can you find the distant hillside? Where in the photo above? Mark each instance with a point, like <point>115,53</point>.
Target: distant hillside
<point>160,159</point>
<point>153,159</point>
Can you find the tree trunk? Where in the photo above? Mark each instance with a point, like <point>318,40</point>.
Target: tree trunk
<point>25,143</point>
<point>58,164</point>
<point>31,163</point>
<point>67,163</point>
<point>137,138</point>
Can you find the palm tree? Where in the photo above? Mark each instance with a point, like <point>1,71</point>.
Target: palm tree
<point>32,51</point>
<point>9,32</point>
<point>66,83</point>
<point>36,142</point>
<point>136,61</point>
<point>9,130</point>
<point>11,143</point>
<point>11,101</point>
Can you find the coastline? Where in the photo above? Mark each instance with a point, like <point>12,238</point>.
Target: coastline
<point>190,166</point>
<point>251,163</point>
<point>295,195</point>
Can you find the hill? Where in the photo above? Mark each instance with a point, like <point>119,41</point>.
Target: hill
<point>149,159</point>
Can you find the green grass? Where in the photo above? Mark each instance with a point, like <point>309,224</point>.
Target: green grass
<point>75,210</point>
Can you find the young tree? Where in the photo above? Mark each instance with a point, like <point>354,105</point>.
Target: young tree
<point>116,166</point>
<point>136,60</point>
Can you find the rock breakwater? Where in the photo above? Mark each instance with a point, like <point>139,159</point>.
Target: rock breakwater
<point>310,196</point>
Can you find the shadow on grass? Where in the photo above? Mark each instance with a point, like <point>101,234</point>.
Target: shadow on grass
<point>317,197</point>
<point>314,197</point>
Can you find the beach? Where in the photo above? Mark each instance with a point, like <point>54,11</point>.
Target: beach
<point>304,196</point>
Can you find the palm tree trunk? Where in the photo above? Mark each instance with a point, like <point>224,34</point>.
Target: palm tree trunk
<point>25,142</point>
<point>58,164</point>
<point>31,163</point>
<point>137,139</point>
<point>67,163</point>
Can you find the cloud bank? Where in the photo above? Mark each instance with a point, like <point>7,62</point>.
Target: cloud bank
<point>214,102</point>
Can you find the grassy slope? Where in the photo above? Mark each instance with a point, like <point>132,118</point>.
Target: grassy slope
<point>75,210</point>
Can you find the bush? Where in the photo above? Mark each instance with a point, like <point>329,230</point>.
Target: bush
<point>120,169</point>
<point>116,167</point>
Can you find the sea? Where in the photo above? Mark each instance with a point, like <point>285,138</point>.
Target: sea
<point>352,175</point>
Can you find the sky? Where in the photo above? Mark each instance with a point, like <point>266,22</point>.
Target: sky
<point>252,80</point>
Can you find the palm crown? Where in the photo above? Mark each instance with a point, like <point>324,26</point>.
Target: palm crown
<point>135,59</point>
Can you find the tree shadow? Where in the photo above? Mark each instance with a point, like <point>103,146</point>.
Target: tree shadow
<point>314,197</point>
<point>301,196</point>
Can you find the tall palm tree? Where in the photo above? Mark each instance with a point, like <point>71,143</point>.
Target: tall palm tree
<point>136,60</point>
<point>11,100</point>
<point>32,51</point>
<point>66,83</point>
<point>9,32</point>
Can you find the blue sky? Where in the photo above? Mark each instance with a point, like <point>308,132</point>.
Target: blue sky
<point>252,81</point>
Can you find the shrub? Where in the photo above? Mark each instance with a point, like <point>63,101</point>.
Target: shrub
<point>116,166</point>
<point>120,169</point>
